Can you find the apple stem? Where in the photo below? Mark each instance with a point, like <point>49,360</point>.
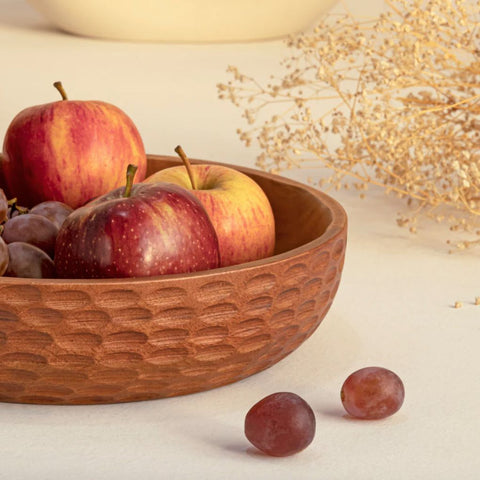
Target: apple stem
<point>59,87</point>
<point>131,171</point>
<point>188,166</point>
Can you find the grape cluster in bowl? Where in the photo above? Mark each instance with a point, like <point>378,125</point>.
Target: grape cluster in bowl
<point>27,241</point>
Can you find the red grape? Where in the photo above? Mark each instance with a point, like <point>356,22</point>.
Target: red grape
<point>3,206</point>
<point>3,256</point>
<point>372,393</point>
<point>31,228</point>
<point>55,211</point>
<point>281,424</point>
<point>28,261</point>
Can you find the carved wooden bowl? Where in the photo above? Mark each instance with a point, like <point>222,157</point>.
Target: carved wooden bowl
<point>122,340</point>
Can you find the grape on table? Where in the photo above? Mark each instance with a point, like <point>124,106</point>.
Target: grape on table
<point>281,424</point>
<point>372,393</point>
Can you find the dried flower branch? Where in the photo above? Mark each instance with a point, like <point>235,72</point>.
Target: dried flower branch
<point>392,102</point>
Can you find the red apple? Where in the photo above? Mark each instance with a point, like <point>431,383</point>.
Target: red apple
<point>238,208</point>
<point>69,151</point>
<point>137,231</point>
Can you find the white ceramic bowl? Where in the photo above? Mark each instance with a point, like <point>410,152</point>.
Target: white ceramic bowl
<point>183,20</point>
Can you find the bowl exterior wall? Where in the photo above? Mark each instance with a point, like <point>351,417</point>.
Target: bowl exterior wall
<point>88,342</point>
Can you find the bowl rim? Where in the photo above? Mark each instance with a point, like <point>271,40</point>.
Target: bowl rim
<point>337,225</point>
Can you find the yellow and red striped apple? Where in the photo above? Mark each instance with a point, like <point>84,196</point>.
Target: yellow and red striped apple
<point>69,151</point>
<point>237,206</point>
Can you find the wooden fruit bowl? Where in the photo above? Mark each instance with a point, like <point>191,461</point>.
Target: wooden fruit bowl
<point>122,340</point>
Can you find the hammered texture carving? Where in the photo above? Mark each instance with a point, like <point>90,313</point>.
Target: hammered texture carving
<point>117,341</point>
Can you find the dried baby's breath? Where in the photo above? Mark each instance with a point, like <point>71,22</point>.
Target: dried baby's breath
<point>392,102</point>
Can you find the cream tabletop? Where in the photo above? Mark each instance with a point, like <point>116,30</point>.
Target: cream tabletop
<point>394,307</point>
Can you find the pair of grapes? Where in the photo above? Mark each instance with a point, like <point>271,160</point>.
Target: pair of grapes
<point>27,241</point>
<point>283,423</point>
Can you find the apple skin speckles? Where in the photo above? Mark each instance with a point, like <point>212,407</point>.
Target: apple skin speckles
<point>160,229</point>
